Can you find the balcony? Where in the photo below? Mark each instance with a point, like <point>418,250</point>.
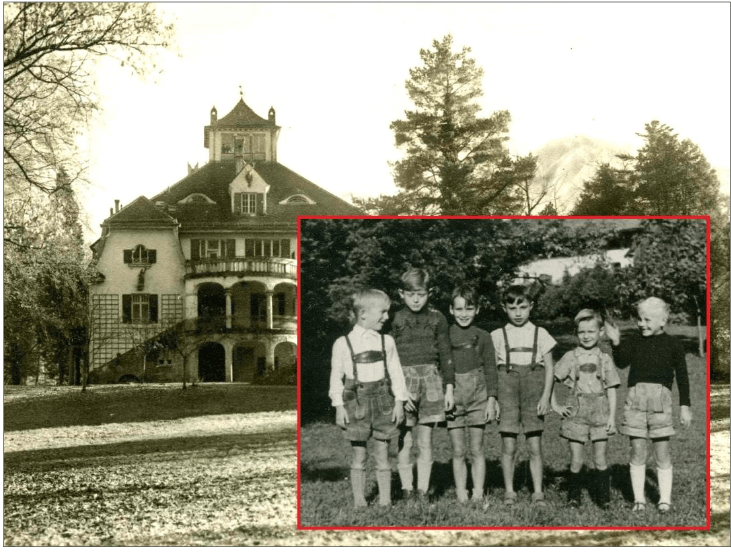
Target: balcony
<point>249,266</point>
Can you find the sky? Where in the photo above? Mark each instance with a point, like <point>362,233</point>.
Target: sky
<point>335,75</point>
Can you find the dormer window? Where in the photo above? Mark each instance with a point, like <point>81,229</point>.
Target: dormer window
<point>297,199</point>
<point>245,203</point>
<point>197,198</point>
<point>140,255</point>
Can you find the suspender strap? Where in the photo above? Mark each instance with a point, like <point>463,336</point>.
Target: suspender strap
<point>535,348</point>
<point>355,364</point>
<point>507,349</point>
<point>385,362</point>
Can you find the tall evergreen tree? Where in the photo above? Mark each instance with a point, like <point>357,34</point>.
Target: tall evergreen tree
<point>667,176</point>
<point>456,163</point>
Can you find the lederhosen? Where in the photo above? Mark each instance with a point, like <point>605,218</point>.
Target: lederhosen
<point>589,409</point>
<point>369,404</point>
<point>470,389</point>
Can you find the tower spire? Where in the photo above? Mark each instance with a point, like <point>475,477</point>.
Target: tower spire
<point>241,92</point>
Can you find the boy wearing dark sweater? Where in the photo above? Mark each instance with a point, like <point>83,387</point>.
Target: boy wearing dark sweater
<point>422,342</point>
<point>655,359</point>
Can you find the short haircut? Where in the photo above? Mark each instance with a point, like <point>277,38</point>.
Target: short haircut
<point>467,293</point>
<point>654,304</point>
<point>415,278</point>
<point>585,315</point>
<point>363,299</point>
<point>516,294</point>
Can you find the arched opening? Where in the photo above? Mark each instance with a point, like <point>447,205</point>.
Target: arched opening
<point>211,305</point>
<point>249,361</point>
<point>212,362</point>
<point>285,356</point>
<point>248,305</point>
<point>284,306</point>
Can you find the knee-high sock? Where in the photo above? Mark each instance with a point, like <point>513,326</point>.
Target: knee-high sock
<point>665,483</point>
<point>406,473</point>
<point>423,472</point>
<point>384,487</point>
<point>637,475</point>
<point>357,479</point>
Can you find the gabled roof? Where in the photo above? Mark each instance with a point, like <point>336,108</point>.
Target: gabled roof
<point>141,210</point>
<point>242,116</point>
<point>213,180</point>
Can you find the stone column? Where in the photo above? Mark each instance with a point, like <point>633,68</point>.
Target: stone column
<point>270,345</point>
<point>270,310</point>
<point>229,350</point>
<point>228,308</point>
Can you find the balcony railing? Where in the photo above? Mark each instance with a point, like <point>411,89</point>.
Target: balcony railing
<point>261,266</point>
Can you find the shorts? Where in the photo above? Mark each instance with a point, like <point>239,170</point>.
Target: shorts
<point>470,400</point>
<point>590,414</point>
<point>371,413</point>
<point>425,388</point>
<point>648,411</point>
<point>518,392</point>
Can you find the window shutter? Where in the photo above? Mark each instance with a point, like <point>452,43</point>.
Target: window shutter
<point>126,308</point>
<point>127,256</point>
<point>237,203</point>
<point>195,250</point>
<point>259,204</point>
<point>249,250</point>
<point>152,298</point>
<point>230,248</point>
<point>152,256</point>
<point>285,249</point>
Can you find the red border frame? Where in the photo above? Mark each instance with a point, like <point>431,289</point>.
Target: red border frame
<point>707,527</point>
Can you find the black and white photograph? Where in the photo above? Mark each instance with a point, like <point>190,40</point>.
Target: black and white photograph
<point>503,372</point>
<point>188,192</point>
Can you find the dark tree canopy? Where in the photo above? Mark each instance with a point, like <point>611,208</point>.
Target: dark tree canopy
<point>455,162</point>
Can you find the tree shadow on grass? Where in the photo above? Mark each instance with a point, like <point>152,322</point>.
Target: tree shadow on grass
<point>128,452</point>
<point>310,473</point>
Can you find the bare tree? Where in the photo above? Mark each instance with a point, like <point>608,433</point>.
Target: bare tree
<point>48,53</point>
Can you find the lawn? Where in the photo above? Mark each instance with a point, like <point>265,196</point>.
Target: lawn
<point>227,478</point>
<point>325,460</point>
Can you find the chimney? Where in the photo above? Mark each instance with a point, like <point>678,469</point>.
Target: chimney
<point>272,116</point>
<point>111,211</point>
<point>214,115</point>
<point>116,206</point>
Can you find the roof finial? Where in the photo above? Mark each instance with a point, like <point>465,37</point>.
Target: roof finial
<point>241,92</point>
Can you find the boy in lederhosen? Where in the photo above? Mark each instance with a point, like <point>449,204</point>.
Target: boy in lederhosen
<point>590,373</point>
<point>525,381</point>
<point>365,379</point>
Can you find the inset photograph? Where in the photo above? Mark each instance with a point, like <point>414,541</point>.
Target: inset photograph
<point>503,373</point>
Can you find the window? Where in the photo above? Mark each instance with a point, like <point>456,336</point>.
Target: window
<point>139,308</point>
<point>165,358</point>
<point>252,147</point>
<point>280,304</point>
<point>212,249</point>
<point>140,255</point>
<point>267,248</point>
<point>298,199</point>
<point>245,203</point>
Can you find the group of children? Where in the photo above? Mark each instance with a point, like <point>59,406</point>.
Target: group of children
<point>425,372</point>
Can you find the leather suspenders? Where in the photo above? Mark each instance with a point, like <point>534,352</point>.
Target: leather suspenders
<point>534,350</point>
<point>367,357</point>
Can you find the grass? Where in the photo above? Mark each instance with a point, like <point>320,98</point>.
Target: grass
<point>203,482</point>
<point>325,458</point>
<point>30,408</point>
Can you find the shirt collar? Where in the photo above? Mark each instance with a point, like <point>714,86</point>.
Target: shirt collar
<point>527,325</point>
<point>360,331</point>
